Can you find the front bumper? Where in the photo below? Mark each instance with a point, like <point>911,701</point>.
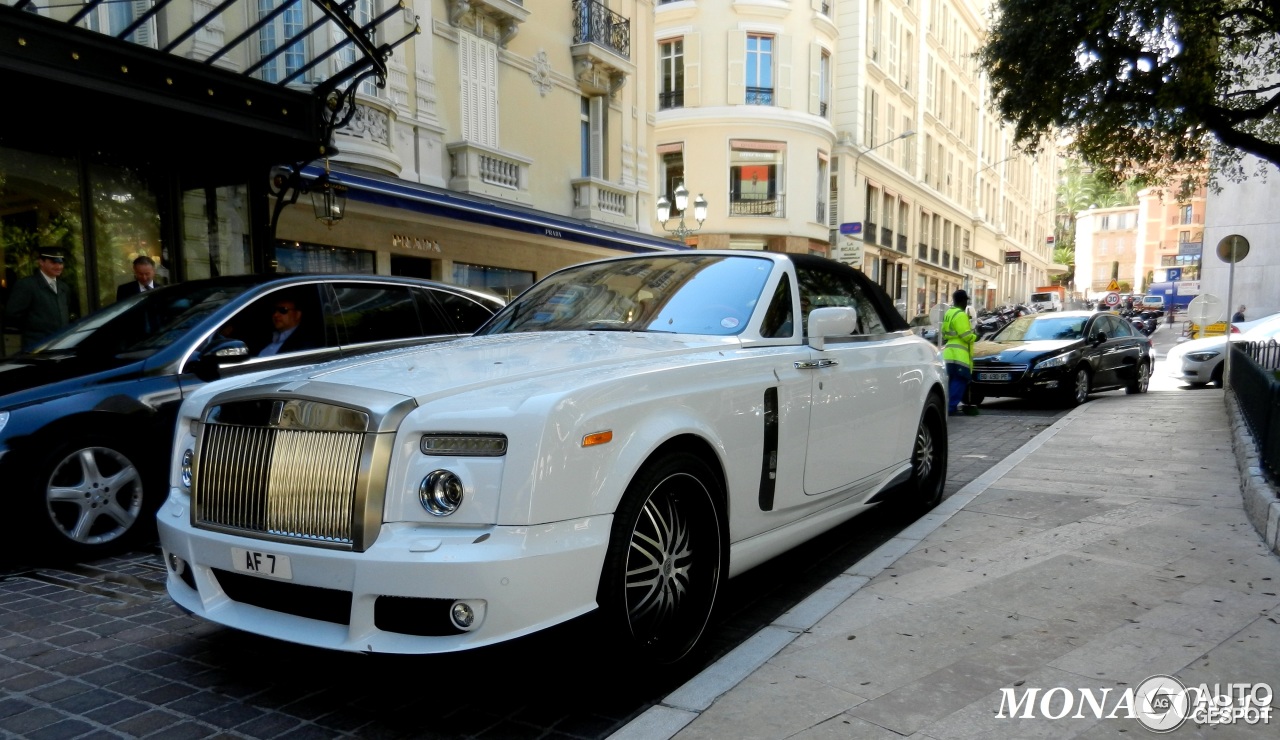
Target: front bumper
<point>1196,372</point>
<point>1025,384</point>
<point>523,579</point>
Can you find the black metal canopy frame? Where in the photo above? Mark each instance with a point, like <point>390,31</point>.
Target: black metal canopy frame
<point>62,50</point>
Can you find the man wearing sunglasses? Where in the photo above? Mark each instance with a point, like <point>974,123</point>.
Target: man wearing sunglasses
<point>285,319</point>
<point>40,303</point>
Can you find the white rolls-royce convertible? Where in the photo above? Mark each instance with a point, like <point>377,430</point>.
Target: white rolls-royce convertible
<point>621,438</point>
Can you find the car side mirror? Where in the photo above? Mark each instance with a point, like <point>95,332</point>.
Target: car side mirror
<point>220,352</point>
<point>1100,337</point>
<point>831,322</point>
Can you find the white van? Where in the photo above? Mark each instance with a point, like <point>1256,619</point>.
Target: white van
<point>1151,303</point>
<point>1048,301</point>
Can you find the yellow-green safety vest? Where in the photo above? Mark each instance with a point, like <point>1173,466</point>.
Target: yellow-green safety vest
<point>958,334</point>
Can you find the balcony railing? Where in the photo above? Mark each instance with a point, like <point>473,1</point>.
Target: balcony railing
<point>602,201</point>
<point>902,243</point>
<point>822,109</point>
<point>869,231</point>
<point>759,96</point>
<point>922,251</point>
<point>593,23</point>
<point>933,255</point>
<point>771,207</point>
<point>822,212</point>
<point>671,99</point>
<point>886,237</point>
<point>478,169</point>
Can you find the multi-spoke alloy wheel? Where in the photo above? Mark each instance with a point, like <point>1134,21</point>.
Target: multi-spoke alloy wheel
<point>928,460</point>
<point>93,497</point>
<point>663,569</point>
<point>1078,391</point>
<point>1143,380</point>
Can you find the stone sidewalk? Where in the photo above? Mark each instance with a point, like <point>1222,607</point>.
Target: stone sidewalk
<point>1112,548</point>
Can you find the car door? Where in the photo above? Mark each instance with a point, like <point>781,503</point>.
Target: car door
<point>1126,352</point>
<point>857,397</point>
<point>1108,355</point>
<point>373,316</point>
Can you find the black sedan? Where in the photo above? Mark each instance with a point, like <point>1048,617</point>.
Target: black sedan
<point>1064,355</point>
<point>87,418</point>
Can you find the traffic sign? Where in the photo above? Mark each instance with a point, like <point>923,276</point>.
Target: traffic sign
<point>1173,274</point>
<point>1112,299</point>
<point>1113,286</point>
<point>1206,309</point>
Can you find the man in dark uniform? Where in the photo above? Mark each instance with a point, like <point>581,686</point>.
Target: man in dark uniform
<point>144,278</point>
<point>40,303</point>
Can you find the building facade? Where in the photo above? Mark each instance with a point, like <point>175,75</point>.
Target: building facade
<point>855,129</point>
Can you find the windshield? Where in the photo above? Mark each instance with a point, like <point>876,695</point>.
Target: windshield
<point>1041,297</point>
<point>145,323</point>
<point>711,294</point>
<point>1026,328</point>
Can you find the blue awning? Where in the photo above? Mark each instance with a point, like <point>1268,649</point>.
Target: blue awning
<point>432,201</point>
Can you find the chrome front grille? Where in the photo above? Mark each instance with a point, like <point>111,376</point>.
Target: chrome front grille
<point>287,483</point>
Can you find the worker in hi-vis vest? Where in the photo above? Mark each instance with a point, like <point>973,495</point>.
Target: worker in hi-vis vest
<point>957,352</point>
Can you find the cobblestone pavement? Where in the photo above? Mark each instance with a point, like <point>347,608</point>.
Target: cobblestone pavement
<point>98,650</point>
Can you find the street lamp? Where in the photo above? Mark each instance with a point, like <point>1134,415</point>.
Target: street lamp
<point>682,231</point>
<point>858,158</point>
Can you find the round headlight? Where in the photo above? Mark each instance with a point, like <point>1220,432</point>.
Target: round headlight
<point>187,457</point>
<point>440,492</point>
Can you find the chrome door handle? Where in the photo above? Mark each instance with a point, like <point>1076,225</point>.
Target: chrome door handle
<point>815,364</point>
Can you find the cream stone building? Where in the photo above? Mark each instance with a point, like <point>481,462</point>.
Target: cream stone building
<point>856,129</point>
<point>513,137</point>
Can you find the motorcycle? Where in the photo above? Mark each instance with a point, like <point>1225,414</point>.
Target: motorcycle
<point>990,322</point>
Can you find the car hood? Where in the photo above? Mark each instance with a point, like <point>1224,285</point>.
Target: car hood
<point>1020,351</point>
<point>28,376</point>
<point>538,360</point>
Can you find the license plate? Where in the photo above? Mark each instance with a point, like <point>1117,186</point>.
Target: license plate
<point>261,563</point>
<point>994,376</point>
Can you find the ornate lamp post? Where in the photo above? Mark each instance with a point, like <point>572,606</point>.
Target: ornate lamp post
<point>682,231</point>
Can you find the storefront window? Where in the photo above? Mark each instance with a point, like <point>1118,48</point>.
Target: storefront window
<point>300,257</point>
<point>215,232</point>
<point>126,226</point>
<point>40,206</point>
<point>504,283</point>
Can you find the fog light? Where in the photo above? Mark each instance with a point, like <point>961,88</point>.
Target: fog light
<point>467,615</point>
<point>187,457</point>
<point>177,565</point>
<point>441,492</point>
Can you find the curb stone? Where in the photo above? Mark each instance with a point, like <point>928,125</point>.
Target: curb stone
<point>1261,502</point>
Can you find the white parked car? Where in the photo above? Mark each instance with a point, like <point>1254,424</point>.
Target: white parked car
<point>622,437</point>
<point>1200,361</point>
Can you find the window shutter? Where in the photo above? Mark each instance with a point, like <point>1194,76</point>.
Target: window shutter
<point>146,33</point>
<point>478,74</point>
<point>599,111</point>
<point>693,70</point>
<point>815,79</point>
<point>736,91</point>
<point>786,68</point>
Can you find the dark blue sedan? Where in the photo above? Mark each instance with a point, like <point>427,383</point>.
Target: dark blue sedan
<point>87,418</point>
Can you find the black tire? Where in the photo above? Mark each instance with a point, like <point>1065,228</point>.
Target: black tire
<point>666,560</point>
<point>90,500</point>
<point>1077,390</point>
<point>928,460</point>
<point>1216,378</point>
<point>1140,384</point>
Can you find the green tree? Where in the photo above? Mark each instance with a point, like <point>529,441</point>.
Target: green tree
<point>1142,88</point>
